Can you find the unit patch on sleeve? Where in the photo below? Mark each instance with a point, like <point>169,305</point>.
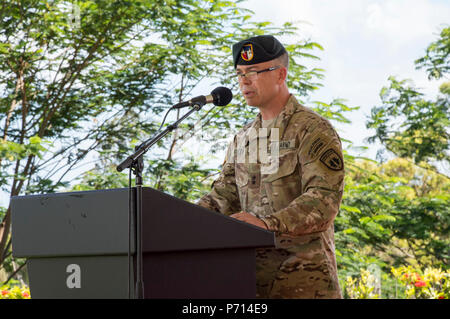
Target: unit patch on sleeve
<point>317,145</point>
<point>332,160</point>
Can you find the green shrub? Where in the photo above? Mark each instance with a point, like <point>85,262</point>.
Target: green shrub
<point>361,288</point>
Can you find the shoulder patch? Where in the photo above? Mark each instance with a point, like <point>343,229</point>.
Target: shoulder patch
<point>316,147</point>
<point>332,160</point>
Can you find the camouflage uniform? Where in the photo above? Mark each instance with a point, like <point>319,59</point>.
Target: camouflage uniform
<point>298,201</point>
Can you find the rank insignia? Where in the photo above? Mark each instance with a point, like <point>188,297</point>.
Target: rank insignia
<point>247,52</point>
<point>332,160</point>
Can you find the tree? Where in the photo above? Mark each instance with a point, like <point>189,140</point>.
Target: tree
<point>406,123</point>
<point>397,213</point>
<point>393,214</point>
<point>437,58</point>
<point>410,126</point>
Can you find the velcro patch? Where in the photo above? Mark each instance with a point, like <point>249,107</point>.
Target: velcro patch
<point>287,144</point>
<point>332,160</point>
<point>316,147</point>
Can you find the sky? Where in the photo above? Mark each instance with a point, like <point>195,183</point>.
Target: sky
<point>365,42</point>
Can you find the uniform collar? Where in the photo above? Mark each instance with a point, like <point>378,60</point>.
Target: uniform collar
<point>283,118</point>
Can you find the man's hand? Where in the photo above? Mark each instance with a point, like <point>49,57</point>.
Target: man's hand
<point>249,218</point>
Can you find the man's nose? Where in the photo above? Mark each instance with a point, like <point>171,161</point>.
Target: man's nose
<point>245,80</point>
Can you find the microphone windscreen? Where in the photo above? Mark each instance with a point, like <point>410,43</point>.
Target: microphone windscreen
<point>222,96</point>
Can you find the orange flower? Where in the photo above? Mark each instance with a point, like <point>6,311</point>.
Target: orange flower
<point>25,294</point>
<point>5,292</point>
<point>420,283</point>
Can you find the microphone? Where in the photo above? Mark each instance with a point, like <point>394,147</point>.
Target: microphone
<point>220,96</point>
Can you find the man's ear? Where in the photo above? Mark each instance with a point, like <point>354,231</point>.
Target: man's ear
<point>283,74</point>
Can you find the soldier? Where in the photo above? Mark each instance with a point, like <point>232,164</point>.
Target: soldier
<point>296,193</point>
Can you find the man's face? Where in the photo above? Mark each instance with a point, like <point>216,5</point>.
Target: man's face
<point>262,88</point>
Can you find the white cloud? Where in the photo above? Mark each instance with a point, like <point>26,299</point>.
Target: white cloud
<point>403,20</point>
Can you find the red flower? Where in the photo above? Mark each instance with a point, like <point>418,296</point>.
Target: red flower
<point>420,283</point>
<point>441,297</point>
<point>5,292</point>
<point>25,294</point>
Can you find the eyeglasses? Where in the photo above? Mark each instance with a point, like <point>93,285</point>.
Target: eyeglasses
<point>253,74</point>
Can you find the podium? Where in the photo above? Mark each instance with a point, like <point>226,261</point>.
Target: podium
<point>77,246</point>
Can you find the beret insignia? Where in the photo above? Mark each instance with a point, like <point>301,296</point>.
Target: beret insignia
<point>247,52</point>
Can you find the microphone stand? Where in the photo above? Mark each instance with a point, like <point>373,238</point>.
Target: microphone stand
<point>136,164</point>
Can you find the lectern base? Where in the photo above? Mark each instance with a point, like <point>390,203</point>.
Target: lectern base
<point>205,274</point>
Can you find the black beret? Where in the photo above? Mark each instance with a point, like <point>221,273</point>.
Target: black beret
<point>257,49</point>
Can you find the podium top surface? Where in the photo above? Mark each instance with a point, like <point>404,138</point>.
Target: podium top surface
<point>96,223</point>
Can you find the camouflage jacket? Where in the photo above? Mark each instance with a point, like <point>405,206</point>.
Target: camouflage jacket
<point>292,178</point>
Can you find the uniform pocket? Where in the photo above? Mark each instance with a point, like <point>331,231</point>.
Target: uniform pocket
<point>287,164</point>
<point>284,185</point>
<point>241,175</point>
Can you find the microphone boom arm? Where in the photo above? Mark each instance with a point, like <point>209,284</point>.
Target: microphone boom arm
<point>143,148</point>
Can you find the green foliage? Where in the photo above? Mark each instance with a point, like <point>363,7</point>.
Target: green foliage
<point>437,58</point>
<point>445,88</point>
<point>2,212</point>
<point>334,110</point>
<point>361,288</point>
<point>13,151</point>
<point>101,178</point>
<point>183,181</point>
<point>393,214</point>
<point>403,215</point>
<point>410,126</point>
